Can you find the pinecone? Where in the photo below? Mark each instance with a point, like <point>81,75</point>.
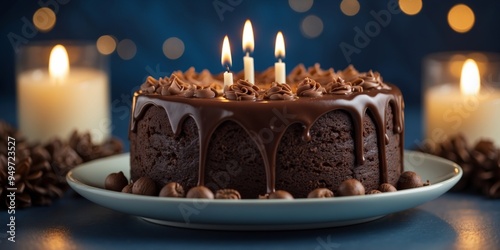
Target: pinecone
<point>41,169</point>
<point>480,164</point>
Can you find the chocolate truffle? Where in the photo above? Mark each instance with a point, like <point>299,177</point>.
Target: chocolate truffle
<point>144,186</point>
<point>172,189</point>
<point>115,181</point>
<point>386,187</point>
<point>351,187</point>
<point>201,192</point>
<point>374,191</point>
<point>128,189</point>
<point>229,194</point>
<point>409,179</point>
<point>280,194</point>
<point>320,193</point>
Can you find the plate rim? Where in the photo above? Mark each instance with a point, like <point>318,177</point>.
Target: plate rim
<point>409,198</point>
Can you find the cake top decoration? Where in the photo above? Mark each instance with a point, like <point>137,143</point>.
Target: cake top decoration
<point>302,82</point>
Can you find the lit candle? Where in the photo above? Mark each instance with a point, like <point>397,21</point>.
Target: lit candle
<point>279,52</point>
<point>55,102</point>
<point>248,46</point>
<point>226,62</point>
<point>471,110</point>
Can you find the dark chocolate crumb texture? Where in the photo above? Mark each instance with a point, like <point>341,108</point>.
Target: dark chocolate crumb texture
<point>317,130</point>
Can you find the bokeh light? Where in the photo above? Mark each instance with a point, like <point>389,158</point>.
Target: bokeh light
<point>126,49</point>
<point>349,7</point>
<point>173,48</point>
<point>301,5</point>
<point>311,26</point>
<point>461,18</point>
<point>44,19</point>
<point>410,7</point>
<point>106,44</point>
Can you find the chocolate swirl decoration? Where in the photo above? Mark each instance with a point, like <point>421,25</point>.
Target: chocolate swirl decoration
<point>310,88</point>
<point>279,91</point>
<point>322,76</point>
<point>149,86</point>
<point>200,92</point>
<point>242,90</point>
<point>339,87</point>
<point>350,73</point>
<point>177,86</point>
<point>369,81</point>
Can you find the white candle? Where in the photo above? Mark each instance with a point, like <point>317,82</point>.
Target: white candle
<point>471,109</point>
<point>248,47</point>
<point>279,52</point>
<point>57,101</point>
<point>226,61</point>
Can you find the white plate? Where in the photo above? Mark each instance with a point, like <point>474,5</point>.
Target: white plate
<point>253,214</point>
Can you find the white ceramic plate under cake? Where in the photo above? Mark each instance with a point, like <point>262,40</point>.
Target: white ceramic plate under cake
<point>254,214</point>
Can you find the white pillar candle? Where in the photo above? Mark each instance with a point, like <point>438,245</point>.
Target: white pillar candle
<point>471,110</point>
<point>226,61</point>
<point>279,52</point>
<point>57,102</point>
<point>228,79</point>
<point>249,69</point>
<point>248,47</point>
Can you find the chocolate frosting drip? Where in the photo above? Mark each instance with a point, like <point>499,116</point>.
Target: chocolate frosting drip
<point>210,113</point>
<point>279,91</point>
<point>242,90</point>
<point>310,88</point>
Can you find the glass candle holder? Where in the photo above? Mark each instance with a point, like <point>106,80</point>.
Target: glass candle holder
<point>461,96</point>
<point>62,89</point>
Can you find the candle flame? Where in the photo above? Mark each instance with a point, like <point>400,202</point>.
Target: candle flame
<point>279,48</point>
<point>226,53</point>
<point>58,62</point>
<point>469,81</point>
<point>248,41</point>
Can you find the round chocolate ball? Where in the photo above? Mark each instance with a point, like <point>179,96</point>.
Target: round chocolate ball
<point>280,194</point>
<point>115,181</point>
<point>320,193</point>
<point>229,194</point>
<point>144,186</point>
<point>374,191</point>
<point>128,189</point>
<point>351,187</point>
<point>200,192</point>
<point>409,179</point>
<point>172,189</point>
<point>386,187</point>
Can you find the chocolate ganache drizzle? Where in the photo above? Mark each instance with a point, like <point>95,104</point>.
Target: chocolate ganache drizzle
<point>209,113</point>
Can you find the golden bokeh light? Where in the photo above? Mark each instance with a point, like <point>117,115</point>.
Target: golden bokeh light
<point>461,18</point>
<point>106,44</point>
<point>349,7</point>
<point>44,19</point>
<point>311,26</point>
<point>173,48</point>
<point>410,7</point>
<point>126,49</point>
<point>300,5</point>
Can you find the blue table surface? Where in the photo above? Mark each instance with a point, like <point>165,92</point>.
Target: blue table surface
<point>452,221</point>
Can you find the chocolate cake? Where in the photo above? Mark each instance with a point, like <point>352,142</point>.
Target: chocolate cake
<point>320,129</point>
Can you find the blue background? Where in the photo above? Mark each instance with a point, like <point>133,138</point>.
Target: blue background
<point>397,51</point>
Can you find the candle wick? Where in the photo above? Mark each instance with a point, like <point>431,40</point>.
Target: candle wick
<point>227,68</point>
<point>248,53</point>
<point>279,60</point>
